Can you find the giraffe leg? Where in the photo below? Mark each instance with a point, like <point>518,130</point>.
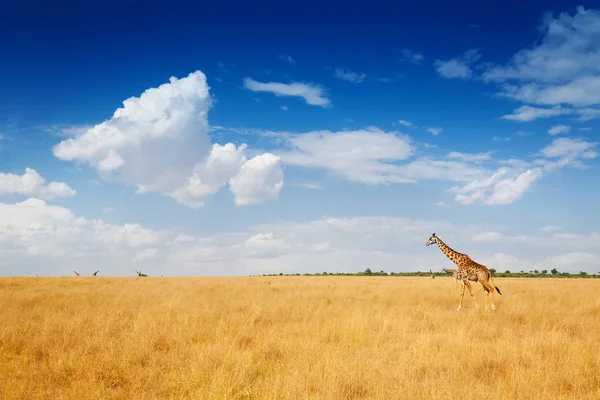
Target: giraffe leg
<point>471,293</point>
<point>490,290</point>
<point>462,293</point>
<point>487,295</point>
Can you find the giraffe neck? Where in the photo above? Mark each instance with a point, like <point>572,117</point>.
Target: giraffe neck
<point>454,256</point>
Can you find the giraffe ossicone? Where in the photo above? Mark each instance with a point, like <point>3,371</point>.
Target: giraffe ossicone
<point>468,270</point>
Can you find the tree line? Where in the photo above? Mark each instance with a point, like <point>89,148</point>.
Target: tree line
<point>554,273</point>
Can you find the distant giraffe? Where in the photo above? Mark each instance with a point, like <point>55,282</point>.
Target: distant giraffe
<point>95,273</point>
<point>432,274</point>
<point>453,272</point>
<point>76,273</point>
<point>140,273</point>
<point>468,270</point>
<point>37,275</point>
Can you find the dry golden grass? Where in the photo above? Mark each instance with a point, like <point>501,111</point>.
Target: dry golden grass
<point>296,338</point>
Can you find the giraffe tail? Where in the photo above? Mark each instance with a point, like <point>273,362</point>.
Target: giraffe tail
<point>496,287</point>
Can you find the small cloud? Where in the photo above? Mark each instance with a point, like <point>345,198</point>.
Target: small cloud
<point>529,113</point>
<point>222,66</point>
<point>284,108</point>
<point>66,130</point>
<point>585,129</point>
<point>588,114</point>
<point>497,138</point>
<point>558,129</point>
<point>107,210</point>
<point>550,228</point>
<point>411,56</point>
<point>441,204</point>
<point>434,131</point>
<point>310,186</point>
<point>458,67</point>
<point>349,76</point>
<point>286,58</point>
<point>312,94</point>
<point>522,133</point>
<point>470,157</point>
<point>405,123</point>
<point>488,236</point>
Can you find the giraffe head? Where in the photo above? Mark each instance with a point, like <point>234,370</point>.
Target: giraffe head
<point>432,240</point>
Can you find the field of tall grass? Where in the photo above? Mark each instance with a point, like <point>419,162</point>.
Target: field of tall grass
<point>297,338</point>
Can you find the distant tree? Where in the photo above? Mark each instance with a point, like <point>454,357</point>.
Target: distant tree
<point>544,271</point>
<point>535,271</point>
<point>507,272</point>
<point>368,271</point>
<point>324,273</point>
<point>554,271</point>
<point>493,270</point>
<point>583,273</point>
<point>281,274</point>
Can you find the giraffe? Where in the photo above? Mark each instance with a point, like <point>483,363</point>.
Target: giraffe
<point>453,272</point>
<point>95,273</point>
<point>468,270</point>
<point>432,274</point>
<point>140,273</point>
<point>76,273</point>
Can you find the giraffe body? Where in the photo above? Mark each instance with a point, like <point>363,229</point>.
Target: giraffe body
<point>468,270</point>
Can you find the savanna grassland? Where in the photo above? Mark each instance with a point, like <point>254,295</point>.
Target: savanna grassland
<point>296,338</point>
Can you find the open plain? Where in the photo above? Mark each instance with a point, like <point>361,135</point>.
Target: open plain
<point>297,338</point>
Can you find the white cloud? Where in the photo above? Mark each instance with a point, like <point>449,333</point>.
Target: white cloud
<point>458,67</point>
<point>349,76</point>
<point>107,210</point>
<point>504,186</point>
<point>558,129</point>
<point>411,56</point>
<point>509,190</point>
<point>284,107</point>
<point>32,184</point>
<point>309,186</point>
<point>159,142</point>
<point>509,183</point>
<point>567,152</point>
<point>441,204</point>
<point>471,157</point>
<point>549,228</point>
<point>145,255</point>
<point>562,68</point>
<point>360,155</point>
<point>312,94</point>
<point>66,130</point>
<point>588,114</point>
<point>405,123</point>
<point>258,181</point>
<point>34,231</point>
<point>434,131</point>
<point>286,58</point>
<point>529,113</point>
<point>487,236</point>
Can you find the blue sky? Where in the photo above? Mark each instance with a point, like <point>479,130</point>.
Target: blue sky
<point>226,139</point>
